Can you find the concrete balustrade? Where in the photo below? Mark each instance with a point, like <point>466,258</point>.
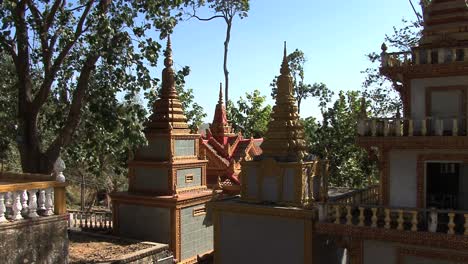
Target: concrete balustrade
<point>402,219</point>
<point>407,127</point>
<point>28,196</point>
<point>421,56</point>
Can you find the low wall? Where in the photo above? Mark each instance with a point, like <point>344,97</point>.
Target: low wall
<point>38,240</point>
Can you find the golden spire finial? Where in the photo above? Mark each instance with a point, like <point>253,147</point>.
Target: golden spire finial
<point>220,99</point>
<point>284,64</point>
<point>284,139</point>
<point>167,110</point>
<point>168,53</point>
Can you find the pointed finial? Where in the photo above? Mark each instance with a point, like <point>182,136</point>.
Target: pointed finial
<point>168,53</point>
<point>284,64</point>
<point>220,100</point>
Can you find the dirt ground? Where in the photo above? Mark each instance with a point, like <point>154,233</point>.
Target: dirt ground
<point>91,249</point>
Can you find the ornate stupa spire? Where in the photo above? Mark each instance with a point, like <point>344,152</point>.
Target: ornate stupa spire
<point>220,128</point>
<point>167,110</point>
<point>284,140</point>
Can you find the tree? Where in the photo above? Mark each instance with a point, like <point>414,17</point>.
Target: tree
<point>192,110</point>
<point>334,139</point>
<point>250,116</point>
<point>302,90</point>
<point>381,91</point>
<point>227,10</point>
<point>55,47</point>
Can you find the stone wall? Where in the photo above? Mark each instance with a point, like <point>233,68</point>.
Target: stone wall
<point>196,232</point>
<point>40,240</point>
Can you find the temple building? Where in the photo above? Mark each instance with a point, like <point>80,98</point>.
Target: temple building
<point>167,192</point>
<point>225,150</point>
<point>422,155</point>
<point>270,222</point>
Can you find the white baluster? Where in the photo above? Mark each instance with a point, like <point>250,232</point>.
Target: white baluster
<point>2,207</point>
<point>49,204</point>
<point>385,128</point>
<point>410,127</point>
<point>439,127</point>
<point>16,206</point>
<point>24,203</point>
<point>322,211</point>
<point>362,127</point>
<point>32,204</point>
<point>455,127</point>
<point>8,199</point>
<point>424,127</point>
<point>398,127</point>
<point>433,221</point>
<point>374,127</point>
<point>41,201</point>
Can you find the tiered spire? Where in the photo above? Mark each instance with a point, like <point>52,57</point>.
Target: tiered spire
<point>167,110</point>
<point>284,140</point>
<point>220,127</point>
<point>445,22</point>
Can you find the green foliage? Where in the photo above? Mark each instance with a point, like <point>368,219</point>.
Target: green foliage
<point>56,45</point>
<point>250,116</point>
<point>334,139</point>
<point>302,90</point>
<point>378,88</point>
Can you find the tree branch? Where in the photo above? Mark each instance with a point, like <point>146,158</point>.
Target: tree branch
<point>74,114</point>
<point>49,78</point>
<point>194,15</point>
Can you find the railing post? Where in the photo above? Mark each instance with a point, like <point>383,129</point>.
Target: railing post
<point>16,206</point>
<point>24,203</point>
<point>60,203</point>
<point>41,201</point>
<point>424,127</point>
<point>414,221</point>
<point>439,127</point>
<point>385,128</point>
<point>2,207</point>
<point>337,214</point>
<point>400,220</point>
<point>387,218</point>
<point>32,204</point>
<point>398,127</point>
<point>322,211</point>
<point>466,225</point>
<point>374,127</point>
<point>374,217</point>
<point>410,127</point>
<point>451,224</point>
<point>433,221</point>
<point>361,216</point>
<point>48,202</point>
<point>455,127</point>
<point>349,216</point>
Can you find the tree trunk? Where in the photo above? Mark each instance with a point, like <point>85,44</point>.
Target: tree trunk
<point>226,72</point>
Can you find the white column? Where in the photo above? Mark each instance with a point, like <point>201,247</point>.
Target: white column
<point>41,202</point>
<point>49,204</point>
<point>16,206</point>
<point>32,204</point>
<point>24,202</point>
<point>2,207</point>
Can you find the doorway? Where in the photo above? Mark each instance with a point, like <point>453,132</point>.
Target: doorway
<point>443,185</point>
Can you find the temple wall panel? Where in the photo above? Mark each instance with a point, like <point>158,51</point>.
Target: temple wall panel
<point>252,186</point>
<point>145,222</point>
<point>151,178</point>
<point>184,147</point>
<point>245,238</point>
<point>189,177</point>
<point>418,93</point>
<point>396,253</point>
<point>289,184</point>
<point>157,149</point>
<point>403,178</point>
<point>196,231</point>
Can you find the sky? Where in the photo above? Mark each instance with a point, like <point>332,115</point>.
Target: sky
<point>334,36</point>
